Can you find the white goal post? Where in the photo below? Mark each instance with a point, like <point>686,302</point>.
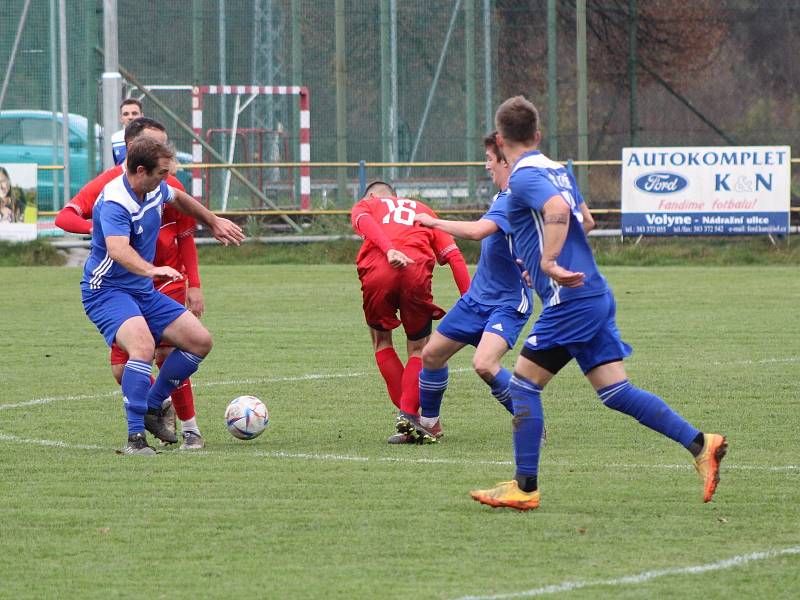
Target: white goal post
<point>198,94</point>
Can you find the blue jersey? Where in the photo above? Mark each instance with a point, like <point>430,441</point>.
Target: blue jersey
<point>119,212</point>
<point>534,180</point>
<point>498,280</point>
<point>118,148</point>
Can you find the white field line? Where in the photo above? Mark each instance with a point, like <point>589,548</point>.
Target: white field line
<point>471,462</point>
<point>254,381</point>
<point>569,586</point>
<point>311,456</point>
<point>760,361</point>
<point>50,399</point>
<point>378,459</point>
<point>5,437</point>
<point>333,457</point>
<point>322,376</point>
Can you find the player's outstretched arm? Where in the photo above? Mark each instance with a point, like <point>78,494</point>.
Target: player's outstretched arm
<point>468,230</point>
<point>121,252</point>
<point>556,214</point>
<point>70,221</point>
<point>76,215</point>
<point>224,230</point>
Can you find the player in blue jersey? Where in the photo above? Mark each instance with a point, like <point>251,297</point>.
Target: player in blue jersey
<point>489,316</point>
<point>129,110</point>
<point>577,319</point>
<point>117,285</point>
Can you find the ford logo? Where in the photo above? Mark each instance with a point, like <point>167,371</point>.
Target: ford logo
<point>661,183</point>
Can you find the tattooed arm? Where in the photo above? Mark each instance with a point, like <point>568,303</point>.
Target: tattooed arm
<point>556,215</point>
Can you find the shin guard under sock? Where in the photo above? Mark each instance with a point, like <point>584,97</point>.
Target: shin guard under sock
<point>500,389</point>
<point>650,410</point>
<point>528,423</point>
<point>432,385</point>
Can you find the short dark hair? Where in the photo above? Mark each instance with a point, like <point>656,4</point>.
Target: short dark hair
<point>490,143</point>
<point>517,120</point>
<point>130,101</point>
<point>376,184</point>
<point>145,152</point>
<point>135,128</point>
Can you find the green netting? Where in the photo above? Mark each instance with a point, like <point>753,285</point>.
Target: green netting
<point>708,72</point>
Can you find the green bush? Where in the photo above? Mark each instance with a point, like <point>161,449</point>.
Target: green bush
<point>29,254</point>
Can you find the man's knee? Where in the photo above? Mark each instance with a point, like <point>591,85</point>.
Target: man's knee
<point>435,354</point>
<point>141,348</point>
<point>485,367</point>
<point>188,333</point>
<point>134,337</point>
<point>201,342</point>
<point>431,358</point>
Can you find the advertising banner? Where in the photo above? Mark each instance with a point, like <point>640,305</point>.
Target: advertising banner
<point>18,211</point>
<point>725,190</point>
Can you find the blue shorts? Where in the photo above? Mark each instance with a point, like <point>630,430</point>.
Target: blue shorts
<point>585,327</point>
<point>109,308</point>
<point>467,321</point>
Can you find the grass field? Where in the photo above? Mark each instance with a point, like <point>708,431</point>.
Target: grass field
<point>321,507</point>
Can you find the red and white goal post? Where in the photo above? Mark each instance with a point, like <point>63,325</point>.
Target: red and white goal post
<point>198,93</point>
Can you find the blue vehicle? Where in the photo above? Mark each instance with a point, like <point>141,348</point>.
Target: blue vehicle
<point>26,136</point>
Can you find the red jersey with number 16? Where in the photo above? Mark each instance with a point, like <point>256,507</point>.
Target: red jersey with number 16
<point>395,217</point>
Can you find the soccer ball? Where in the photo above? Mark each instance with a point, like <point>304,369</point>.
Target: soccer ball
<point>246,417</point>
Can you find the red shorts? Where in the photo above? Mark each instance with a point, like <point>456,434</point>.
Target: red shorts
<point>387,290</point>
<point>175,290</point>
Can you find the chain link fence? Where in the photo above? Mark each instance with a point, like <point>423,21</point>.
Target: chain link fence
<point>420,80</point>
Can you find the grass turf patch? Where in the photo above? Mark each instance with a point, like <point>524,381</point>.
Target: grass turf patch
<point>320,506</point>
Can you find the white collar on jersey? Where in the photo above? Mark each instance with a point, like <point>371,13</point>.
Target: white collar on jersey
<point>537,160</point>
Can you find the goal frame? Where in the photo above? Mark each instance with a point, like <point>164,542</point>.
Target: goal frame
<point>198,95</point>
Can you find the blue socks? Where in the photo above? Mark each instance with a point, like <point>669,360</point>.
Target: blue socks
<point>528,424</point>
<point>135,386</point>
<point>500,389</point>
<point>179,366</point>
<point>650,410</point>
<point>432,384</point>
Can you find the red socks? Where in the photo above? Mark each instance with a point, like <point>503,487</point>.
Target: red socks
<point>183,400</point>
<point>392,371</point>
<point>409,400</point>
<point>401,383</point>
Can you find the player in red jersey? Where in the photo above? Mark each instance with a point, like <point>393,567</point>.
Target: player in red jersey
<point>395,266</point>
<point>175,248</point>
